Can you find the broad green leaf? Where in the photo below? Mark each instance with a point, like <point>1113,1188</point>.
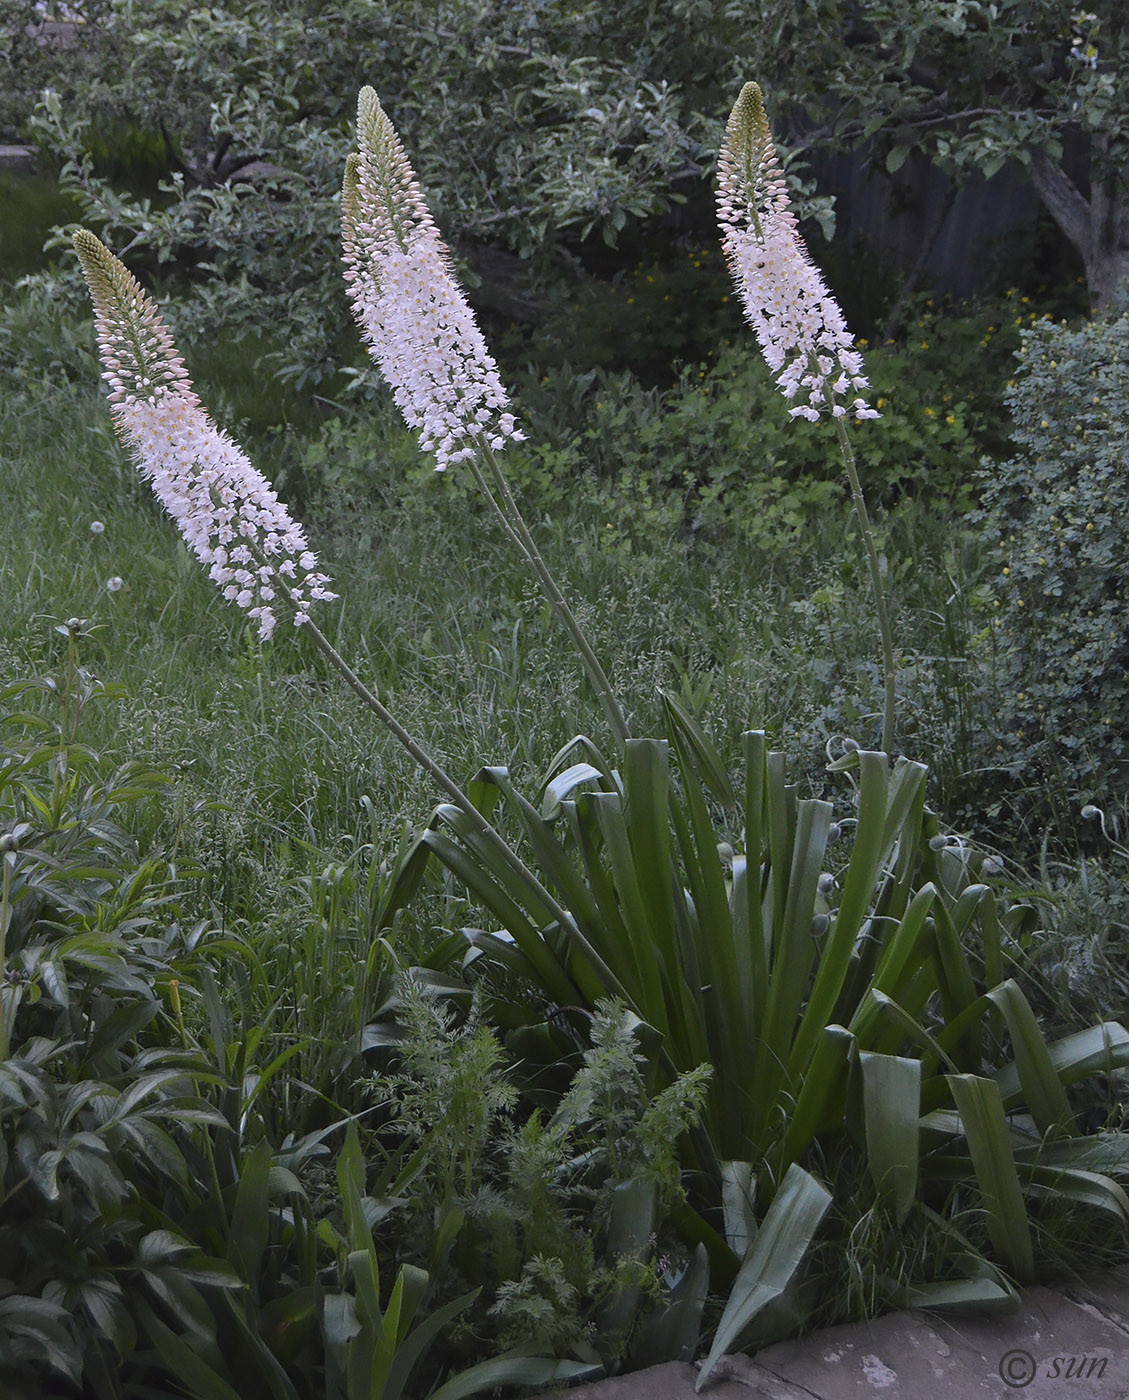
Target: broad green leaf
<point>695,744</point>
<point>1043,1094</point>
<point>1107,1153</point>
<point>820,1104</point>
<point>271,1377</point>
<point>565,785</point>
<point>982,1115</point>
<point>973,1295</point>
<point>415,1343</point>
<point>672,1333</point>
<point>536,1372</point>
<point>738,1205</point>
<point>891,1092</point>
<point>772,1261</point>
<point>200,1380</point>
<point>779,1047</point>
<point>871,843</point>
<point>1099,1050</point>
<point>1081,1187</point>
<point>250,1216</point>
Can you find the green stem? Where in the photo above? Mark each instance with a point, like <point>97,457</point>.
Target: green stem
<point>875,581</point>
<point>9,996</point>
<point>442,779</point>
<point>513,523</point>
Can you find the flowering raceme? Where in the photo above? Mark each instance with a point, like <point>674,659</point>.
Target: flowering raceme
<point>797,322</point>
<point>410,309</point>
<point>224,508</point>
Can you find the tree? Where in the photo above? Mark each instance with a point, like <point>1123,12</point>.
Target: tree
<point>537,128</point>
<point>972,85</point>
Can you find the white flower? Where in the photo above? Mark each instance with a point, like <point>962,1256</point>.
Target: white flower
<point>97,528</point>
<point>115,584</point>
<point>224,508</point>
<point>410,309</point>
<point>797,322</point>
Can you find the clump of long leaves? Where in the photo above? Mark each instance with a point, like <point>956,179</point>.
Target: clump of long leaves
<point>863,997</point>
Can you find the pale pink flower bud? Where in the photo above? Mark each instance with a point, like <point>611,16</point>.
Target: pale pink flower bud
<point>197,472</point>
<point>410,309</point>
<point>797,322</point>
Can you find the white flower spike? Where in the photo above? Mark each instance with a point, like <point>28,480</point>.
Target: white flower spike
<point>410,308</point>
<point>224,508</point>
<point>797,322</point>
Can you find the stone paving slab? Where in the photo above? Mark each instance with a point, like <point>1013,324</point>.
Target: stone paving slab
<point>1059,1344</point>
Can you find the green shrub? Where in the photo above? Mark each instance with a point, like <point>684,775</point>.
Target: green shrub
<point>1057,646</point>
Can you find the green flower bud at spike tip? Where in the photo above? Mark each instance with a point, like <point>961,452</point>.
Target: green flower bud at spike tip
<point>137,350</point>
<point>748,143</point>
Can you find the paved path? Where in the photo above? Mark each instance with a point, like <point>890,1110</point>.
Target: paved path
<point>1066,1344</point>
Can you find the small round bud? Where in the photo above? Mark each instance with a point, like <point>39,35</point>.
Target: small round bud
<point>9,842</point>
<point>1090,812</point>
<point>834,831</point>
<point>850,746</point>
<point>826,884</point>
<point>938,843</point>
<point>991,865</point>
<point>819,925</point>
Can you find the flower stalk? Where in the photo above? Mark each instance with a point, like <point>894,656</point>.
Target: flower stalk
<point>214,494</point>
<point>797,322</point>
<point>423,336</point>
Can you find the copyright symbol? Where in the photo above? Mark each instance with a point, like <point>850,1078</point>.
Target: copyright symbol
<point>1017,1368</point>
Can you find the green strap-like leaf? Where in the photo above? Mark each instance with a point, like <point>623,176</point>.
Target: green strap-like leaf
<point>982,1115</point>
<point>773,1260</point>
<point>891,1095</point>
<point>1043,1094</point>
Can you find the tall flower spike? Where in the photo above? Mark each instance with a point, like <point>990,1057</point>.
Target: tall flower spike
<point>224,508</point>
<point>797,322</point>
<point>409,306</point>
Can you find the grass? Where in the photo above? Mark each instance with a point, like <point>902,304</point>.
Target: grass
<point>291,803</point>
<point>438,614</point>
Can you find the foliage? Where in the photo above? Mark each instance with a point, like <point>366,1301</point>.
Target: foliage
<point>562,1217</point>
<point>716,450</point>
<point>537,127</point>
<point>1056,634</point>
<point>972,86</point>
<point>831,996</point>
<point>93,1093</point>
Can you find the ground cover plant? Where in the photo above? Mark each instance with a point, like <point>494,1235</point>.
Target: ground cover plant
<point>517,1041</point>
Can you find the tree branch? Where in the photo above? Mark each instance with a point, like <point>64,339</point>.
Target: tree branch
<point>1063,199</point>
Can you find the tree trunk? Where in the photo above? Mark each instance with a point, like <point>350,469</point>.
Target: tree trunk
<point>1098,226</point>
